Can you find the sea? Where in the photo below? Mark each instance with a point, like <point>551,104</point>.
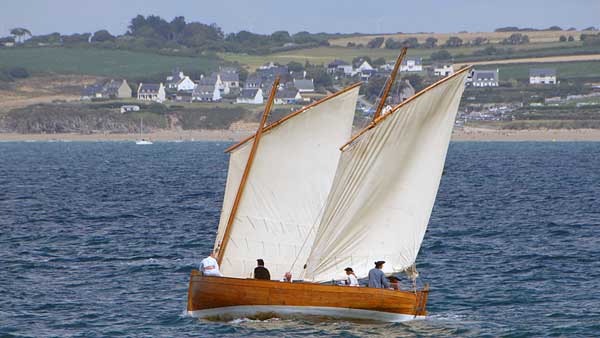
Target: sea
<point>97,239</point>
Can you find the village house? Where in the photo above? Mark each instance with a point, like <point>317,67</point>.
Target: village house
<point>117,89</point>
<point>151,92</point>
<point>107,90</point>
<point>542,76</point>
<point>174,78</point>
<point>443,70</point>
<point>411,64</point>
<point>230,77</point>
<point>206,93</point>
<point>305,85</point>
<point>340,67</point>
<point>287,96</point>
<point>253,81</point>
<point>251,96</point>
<point>364,66</point>
<point>185,85</point>
<point>483,78</point>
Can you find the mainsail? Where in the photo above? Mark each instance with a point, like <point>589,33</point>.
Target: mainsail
<point>385,187</point>
<point>286,188</point>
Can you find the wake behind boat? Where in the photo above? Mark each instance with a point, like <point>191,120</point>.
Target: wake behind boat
<point>297,201</point>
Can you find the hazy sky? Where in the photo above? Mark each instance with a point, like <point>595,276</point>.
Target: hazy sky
<point>266,16</point>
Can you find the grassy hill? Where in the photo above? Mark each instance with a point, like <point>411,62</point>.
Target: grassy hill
<point>101,62</point>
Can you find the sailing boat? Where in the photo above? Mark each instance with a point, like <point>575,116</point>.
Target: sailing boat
<point>142,140</point>
<point>313,211</point>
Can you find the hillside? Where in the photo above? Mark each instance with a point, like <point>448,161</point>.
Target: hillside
<point>100,62</point>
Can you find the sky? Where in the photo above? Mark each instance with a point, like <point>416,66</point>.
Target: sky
<point>267,16</point>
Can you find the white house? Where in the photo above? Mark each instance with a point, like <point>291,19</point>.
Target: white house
<point>411,64</point>
<point>443,70</point>
<point>185,84</point>
<point>206,93</point>
<point>483,78</point>
<point>251,96</point>
<point>151,92</point>
<point>542,76</point>
<point>365,66</point>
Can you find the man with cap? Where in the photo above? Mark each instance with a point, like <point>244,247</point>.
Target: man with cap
<point>260,272</point>
<point>352,280</point>
<point>377,277</point>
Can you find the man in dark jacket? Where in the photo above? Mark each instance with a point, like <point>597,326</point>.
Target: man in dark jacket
<point>260,272</point>
<point>377,277</point>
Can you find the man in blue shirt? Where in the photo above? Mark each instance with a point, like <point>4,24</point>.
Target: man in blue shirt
<point>377,278</point>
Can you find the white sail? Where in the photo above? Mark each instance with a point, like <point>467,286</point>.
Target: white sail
<point>286,189</point>
<point>385,187</point>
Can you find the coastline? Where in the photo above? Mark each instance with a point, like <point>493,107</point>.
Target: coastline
<point>465,134</point>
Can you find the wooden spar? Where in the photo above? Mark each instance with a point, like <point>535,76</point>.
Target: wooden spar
<point>388,84</point>
<point>297,112</point>
<point>223,245</point>
<point>401,104</point>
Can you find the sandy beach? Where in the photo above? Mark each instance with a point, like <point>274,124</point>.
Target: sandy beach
<point>465,134</point>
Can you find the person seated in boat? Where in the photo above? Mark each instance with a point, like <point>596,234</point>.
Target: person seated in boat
<point>377,277</point>
<point>351,280</point>
<point>287,277</point>
<point>210,267</point>
<point>394,282</point>
<point>260,272</point>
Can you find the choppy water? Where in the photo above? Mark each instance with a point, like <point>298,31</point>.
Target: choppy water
<point>98,239</point>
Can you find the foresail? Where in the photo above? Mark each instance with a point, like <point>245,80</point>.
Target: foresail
<point>385,187</point>
<point>286,188</point>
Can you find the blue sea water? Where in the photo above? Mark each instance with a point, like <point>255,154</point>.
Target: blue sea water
<point>98,239</point>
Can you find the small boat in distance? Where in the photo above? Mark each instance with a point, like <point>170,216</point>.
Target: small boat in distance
<point>294,198</point>
<point>142,141</point>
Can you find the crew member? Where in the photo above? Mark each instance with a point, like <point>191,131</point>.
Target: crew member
<point>352,280</point>
<point>210,267</point>
<point>260,272</point>
<point>377,277</point>
<point>287,277</point>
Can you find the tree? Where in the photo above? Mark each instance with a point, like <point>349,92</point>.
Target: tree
<point>515,39</point>
<point>393,44</point>
<point>177,26</point>
<point>554,28</point>
<point>411,43</point>
<point>478,41</point>
<point>430,42</point>
<point>281,37</point>
<point>375,43</point>
<point>102,36</point>
<point>19,33</point>
<point>562,38</point>
<point>378,62</point>
<point>76,38</point>
<point>453,41</point>
<point>571,38</point>
<point>350,45</point>
<point>440,55</point>
<point>294,66</point>
<point>320,76</point>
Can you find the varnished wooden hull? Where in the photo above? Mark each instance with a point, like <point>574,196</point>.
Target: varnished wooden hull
<point>215,296</point>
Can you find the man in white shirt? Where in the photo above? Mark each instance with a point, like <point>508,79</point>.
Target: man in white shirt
<point>210,267</point>
<point>352,280</point>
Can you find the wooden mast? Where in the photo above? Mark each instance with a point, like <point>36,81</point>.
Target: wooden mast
<point>407,101</point>
<point>388,84</point>
<point>223,245</point>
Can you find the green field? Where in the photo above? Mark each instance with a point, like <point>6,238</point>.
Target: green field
<point>564,70</point>
<point>102,62</point>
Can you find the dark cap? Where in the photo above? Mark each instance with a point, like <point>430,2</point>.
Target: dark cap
<point>260,261</point>
<point>349,269</point>
<point>379,262</point>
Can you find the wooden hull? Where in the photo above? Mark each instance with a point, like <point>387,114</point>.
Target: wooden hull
<point>235,297</point>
